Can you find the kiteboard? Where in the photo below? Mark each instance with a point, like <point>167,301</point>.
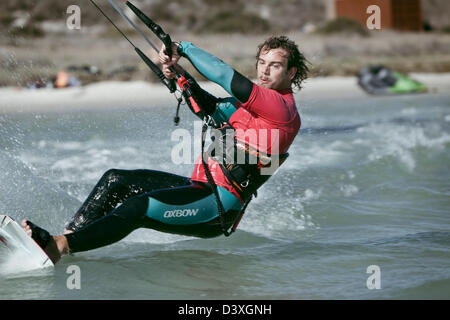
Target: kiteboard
<point>17,240</point>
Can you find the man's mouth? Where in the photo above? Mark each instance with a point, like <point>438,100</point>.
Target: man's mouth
<point>264,80</point>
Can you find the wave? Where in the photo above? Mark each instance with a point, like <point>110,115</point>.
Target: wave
<point>401,142</point>
<point>24,194</point>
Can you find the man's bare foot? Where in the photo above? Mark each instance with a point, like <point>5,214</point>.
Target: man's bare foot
<point>67,231</point>
<point>55,247</point>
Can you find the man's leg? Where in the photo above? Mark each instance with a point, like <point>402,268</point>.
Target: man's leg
<point>106,230</point>
<point>115,187</point>
<point>135,213</point>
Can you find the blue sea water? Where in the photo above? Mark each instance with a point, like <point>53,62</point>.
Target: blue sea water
<point>366,184</point>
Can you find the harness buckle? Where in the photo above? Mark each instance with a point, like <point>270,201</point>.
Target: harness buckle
<point>245,183</point>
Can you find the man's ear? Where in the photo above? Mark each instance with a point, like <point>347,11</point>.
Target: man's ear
<point>292,71</point>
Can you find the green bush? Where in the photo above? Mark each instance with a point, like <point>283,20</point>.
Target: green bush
<point>230,21</point>
<point>29,30</point>
<point>5,21</point>
<point>343,25</point>
<point>12,5</point>
<point>446,29</point>
<point>160,12</point>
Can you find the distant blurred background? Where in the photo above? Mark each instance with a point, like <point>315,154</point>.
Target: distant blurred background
<point>35,42</point>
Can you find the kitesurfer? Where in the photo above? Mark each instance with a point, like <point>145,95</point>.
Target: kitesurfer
<point>125,200</point>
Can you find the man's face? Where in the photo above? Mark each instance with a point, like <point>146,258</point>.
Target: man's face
<point>272,69</point>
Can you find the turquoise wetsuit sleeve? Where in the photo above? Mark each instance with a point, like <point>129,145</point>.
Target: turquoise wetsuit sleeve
<point>208,65</point>
<point>217,71</point>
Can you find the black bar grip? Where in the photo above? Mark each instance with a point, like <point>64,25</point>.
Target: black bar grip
<point>157,30</point>
<point>167,82</point>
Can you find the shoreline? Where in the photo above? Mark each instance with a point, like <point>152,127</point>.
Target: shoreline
<point>140,94</point>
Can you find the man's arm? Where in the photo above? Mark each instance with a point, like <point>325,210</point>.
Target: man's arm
<point>236,84</point>
<point>217,71</point>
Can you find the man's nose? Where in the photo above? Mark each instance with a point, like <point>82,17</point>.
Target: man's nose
<point>266,70</point>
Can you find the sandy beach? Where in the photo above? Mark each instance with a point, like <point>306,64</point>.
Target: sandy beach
<point>141,94</point>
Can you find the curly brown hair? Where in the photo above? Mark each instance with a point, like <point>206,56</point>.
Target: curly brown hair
<point>295,57</point>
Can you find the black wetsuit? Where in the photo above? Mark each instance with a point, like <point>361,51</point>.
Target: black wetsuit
<point>120,201</point>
